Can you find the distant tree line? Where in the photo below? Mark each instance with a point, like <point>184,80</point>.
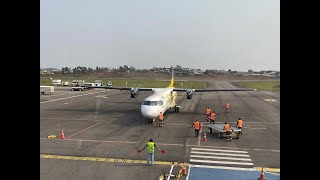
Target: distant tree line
<point>85,70</point>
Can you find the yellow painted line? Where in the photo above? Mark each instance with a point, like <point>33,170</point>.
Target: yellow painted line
<point>112,160</point>
<point>179,174</point>
<point>163,163</point>
<point>266,169</point>
<point>161,177</point>
<point>52,136</point>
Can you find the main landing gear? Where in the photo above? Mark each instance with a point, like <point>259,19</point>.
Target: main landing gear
<point>176,108</point>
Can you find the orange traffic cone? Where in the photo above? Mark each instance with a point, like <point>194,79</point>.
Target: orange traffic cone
<point>62,135</point>
<point>184,170</point>
<point>204,137</point>
<point>262,177</point>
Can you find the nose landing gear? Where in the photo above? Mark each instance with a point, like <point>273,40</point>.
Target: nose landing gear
<point>151,121</point>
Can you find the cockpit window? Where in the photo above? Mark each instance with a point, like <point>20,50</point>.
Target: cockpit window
<point>153,103</point>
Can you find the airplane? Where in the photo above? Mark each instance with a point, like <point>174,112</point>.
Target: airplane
<point>163,99</point>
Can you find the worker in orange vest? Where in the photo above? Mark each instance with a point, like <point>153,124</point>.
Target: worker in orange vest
<point>228,131</point>
<point>208,111</point>
<point>212,117</point>
<point>161,118</point>
<point>196,125</point>
<point>227,107</point>
<point>240,125</point>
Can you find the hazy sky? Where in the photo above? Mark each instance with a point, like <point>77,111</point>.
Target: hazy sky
<point>207,34</point>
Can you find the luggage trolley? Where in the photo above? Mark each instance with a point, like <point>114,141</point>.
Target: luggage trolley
<point>221,132</point>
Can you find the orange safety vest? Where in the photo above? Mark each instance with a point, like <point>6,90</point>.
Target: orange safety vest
<point>161,117</point>
<point>212,116</point>
<point>227,105</point>
<point>227,127</point>
<point>239,123</point>
<point>196,125</point>
<point>208,111</point>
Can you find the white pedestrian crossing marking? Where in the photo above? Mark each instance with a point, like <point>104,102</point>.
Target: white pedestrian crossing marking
<point>220,162</point>
<point>225,154</point>
<point>272,100</point>
<point>220,158</point>
<point>219,150</point>
<point>223,167</point>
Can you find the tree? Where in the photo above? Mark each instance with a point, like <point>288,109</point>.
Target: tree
<point>65,70</point>
<point>132,69</point>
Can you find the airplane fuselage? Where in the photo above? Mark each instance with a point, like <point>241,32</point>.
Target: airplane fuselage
<point>160,101</point>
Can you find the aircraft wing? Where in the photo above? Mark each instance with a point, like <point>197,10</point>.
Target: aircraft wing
<point>191,91</point>
<point>122,88</point>
<point>211,90</point>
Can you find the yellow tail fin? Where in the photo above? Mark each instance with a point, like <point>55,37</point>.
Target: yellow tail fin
<point>172,80</point>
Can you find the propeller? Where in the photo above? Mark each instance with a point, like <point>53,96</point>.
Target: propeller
<point>134,92</point>
<point>189,94</point>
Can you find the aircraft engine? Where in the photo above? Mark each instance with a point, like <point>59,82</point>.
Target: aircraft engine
<point>189,93</point>
<point>134,92</point>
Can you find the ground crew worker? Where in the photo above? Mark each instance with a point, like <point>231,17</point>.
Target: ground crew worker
<point>150,147</point>
<point>208,111</point>
<point>161,118</point>
<point>196,125</point>
<point>212,117</point>
<point>228,131</point>
<point>240,125</point>
<point>227,107</point>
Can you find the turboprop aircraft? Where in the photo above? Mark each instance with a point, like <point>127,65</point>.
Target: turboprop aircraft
<point>163,99</point>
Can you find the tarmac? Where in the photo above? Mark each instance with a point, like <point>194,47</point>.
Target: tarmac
<point>104,129</point>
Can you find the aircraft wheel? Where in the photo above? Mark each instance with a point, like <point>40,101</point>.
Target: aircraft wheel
<point>176,109</point>
<point>219,135</point>
<point>210,130</point>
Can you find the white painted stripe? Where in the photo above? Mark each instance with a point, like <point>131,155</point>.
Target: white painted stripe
<point>225,154</point>
<point>102,96</point>
<point>221,150</point>
<point>85,129</point>
<point>213,146</point>
<point>188,173</point>
<point>56,95</point>
<point>262,122</point>
<point>254,128</point>
<point>219,157</point>
<point>222,167</point>
<point>64,119</point>
<point>221,162</point>
<point>177,124</point>
<point>68,97</point>
<point>166,144</point>
<point>264,150</point>
<point>272,100</point>
<point>98,141</point>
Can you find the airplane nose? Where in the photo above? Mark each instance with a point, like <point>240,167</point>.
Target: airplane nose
<point>147,113</point>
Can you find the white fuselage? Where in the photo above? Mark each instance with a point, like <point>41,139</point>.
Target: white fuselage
<point>160,101</point>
